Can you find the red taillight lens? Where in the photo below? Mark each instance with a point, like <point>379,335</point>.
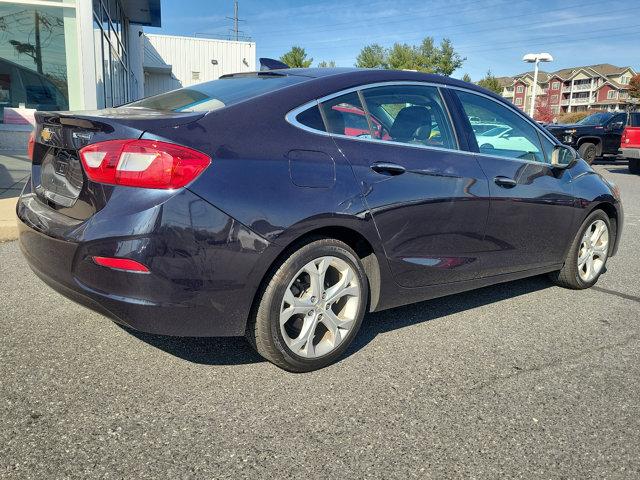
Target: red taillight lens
<point>31,145</point>
<point>142,163</point>
<point>121,264</point>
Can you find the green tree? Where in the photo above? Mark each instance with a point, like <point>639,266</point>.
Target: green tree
<point>297,58</point>
<point>325,64</point>
<point>372,56</point>
<point>425,57</point>
<point>634,86</point>
<point>466,78</point>
<point>490,83</point>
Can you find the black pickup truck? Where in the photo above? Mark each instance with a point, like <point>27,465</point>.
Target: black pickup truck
<point>594,136</point>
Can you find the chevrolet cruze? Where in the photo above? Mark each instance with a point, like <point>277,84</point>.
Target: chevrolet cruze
<point>245,206</point>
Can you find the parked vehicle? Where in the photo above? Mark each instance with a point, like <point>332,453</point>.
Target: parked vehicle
<point>356,124</point>
<point>505,138</point>
<point>594,136</point>
<point>234,208</point>
<point>630,143</point>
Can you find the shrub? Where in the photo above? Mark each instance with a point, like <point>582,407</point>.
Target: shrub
<point>574,117</point>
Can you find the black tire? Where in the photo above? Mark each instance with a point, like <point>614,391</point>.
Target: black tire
<point>568,276</point>
<point>588,152</point>
<point>263,329</point>
<point>634,166</point>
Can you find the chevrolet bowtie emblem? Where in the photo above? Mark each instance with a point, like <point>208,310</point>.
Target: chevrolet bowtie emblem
<point>46,134</point>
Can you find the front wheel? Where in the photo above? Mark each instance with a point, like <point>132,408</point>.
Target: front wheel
<point>311,308</point>
<point>588,254</point>
<point>588,152</point>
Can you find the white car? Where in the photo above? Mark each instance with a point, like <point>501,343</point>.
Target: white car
<point>502,137</point>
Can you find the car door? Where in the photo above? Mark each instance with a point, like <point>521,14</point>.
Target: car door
<point>429,200</point>
<point>532,203</point>
<point>613,132</point>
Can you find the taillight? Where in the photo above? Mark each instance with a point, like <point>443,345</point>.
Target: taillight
<point>125,264</point>
<point>31,144</point>
<point>142,163</point>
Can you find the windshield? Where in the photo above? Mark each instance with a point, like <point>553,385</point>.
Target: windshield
<point>216,94</point>
<point>596,119</point>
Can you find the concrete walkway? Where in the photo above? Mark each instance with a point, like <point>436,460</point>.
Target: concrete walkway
<point>15,168</point>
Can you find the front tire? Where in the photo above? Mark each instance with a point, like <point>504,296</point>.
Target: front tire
<point>588,254</point>
<point>588,152</point>
<point>634,166</point>
<point>311,308</point>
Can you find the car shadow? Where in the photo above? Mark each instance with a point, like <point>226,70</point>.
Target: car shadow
<point>237,351</point>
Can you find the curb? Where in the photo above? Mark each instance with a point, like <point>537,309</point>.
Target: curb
<point>8,219</point>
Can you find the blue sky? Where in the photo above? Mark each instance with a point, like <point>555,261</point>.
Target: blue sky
<point>491,34</point>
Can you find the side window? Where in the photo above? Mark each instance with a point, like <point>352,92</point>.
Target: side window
<point>344,115</point>
<point>412,114</point>
<point>520,140</point>
<point>311,118</point>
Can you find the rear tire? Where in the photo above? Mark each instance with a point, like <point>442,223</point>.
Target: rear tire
<point>634,166</point>
<point>588,254</point>
<point>588,152</point>
<point>311,307</point>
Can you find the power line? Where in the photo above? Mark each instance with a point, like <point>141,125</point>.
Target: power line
<point>235,30</point>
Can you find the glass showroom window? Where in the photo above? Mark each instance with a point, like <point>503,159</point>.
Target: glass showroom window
<point>34,56</point>
<point>114,80</point>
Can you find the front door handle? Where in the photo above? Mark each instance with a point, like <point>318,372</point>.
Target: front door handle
<point>388,168</point>
<point>505,182</point>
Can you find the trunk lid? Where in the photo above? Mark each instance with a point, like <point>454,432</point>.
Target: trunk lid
<point>57,176</point>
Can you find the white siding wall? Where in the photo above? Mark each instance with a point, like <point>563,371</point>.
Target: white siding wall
<point>187,55</point>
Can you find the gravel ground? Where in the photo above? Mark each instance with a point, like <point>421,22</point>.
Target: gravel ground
<point>518,380</point>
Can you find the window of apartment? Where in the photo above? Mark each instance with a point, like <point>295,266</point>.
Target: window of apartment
<point>520,89</point>
<point>624,80</point>
<point>612,94</point>
<point>555,109</point>
<point>555,86</point>
<point>623,95</point>
<point>554,98</point>
<point>518,101</point>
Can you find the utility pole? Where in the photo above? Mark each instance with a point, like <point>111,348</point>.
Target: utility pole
<point>236,31</point>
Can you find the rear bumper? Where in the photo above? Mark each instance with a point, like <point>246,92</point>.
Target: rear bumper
<point>204,265</point>
<point>630,152</point>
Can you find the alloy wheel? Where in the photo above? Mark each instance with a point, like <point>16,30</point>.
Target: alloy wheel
<point>594,248</point>
<point>320,307</point>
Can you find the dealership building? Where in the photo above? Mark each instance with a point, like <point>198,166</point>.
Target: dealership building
<point>89,54</point>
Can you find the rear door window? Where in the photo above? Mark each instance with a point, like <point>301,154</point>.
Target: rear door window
<point>634,119</point>
<point>216,94</point>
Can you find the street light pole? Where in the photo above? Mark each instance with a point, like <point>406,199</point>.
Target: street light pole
<point>535,58</point>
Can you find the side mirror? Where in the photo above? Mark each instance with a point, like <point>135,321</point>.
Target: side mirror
<point>563,156</point>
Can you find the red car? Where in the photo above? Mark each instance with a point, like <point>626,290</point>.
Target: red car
<point>630,144</point>
<point>355,123</point>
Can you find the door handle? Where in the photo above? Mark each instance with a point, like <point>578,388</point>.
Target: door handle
<point>505,182</point>
<point>388,168</point>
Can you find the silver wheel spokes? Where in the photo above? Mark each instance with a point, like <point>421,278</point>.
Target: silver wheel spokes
<point>319,307</point>
<point>594,248</point>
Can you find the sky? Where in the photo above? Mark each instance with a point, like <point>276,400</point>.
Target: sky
<point>491,34</point>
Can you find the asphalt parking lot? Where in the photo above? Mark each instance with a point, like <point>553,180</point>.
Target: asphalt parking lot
<point>519,380</point>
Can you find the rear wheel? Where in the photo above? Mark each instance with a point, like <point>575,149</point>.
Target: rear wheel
<point>588,254</point>
<point>634,166</point>
<point>588,152</point>
<point>311,308</point>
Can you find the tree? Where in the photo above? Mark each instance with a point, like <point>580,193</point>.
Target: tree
<point>325,64</point>
<point>466,78</point>
<point>297,58</point>
<point>634,87</point>
<point>372,56</point>
<point>542,111</point>
<point>491,83</point>
<point>425,57</point>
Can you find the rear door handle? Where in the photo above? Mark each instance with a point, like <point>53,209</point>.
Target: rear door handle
<point>505,182</point>
<point>388,168</point>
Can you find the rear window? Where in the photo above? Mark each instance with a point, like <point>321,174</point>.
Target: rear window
<point>216,94</point>
<point>634,119</point>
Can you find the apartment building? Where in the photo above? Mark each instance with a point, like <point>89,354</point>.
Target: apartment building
<point>602,87</point>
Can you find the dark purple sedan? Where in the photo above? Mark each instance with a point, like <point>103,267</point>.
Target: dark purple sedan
<point>243,206</point>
